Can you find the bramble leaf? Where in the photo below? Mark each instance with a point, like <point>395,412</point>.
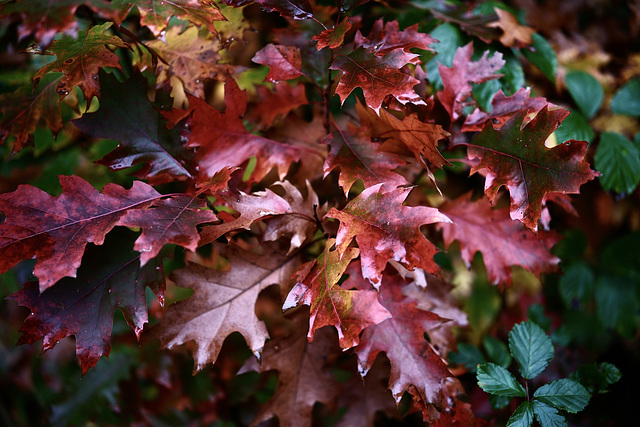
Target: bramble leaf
<point>585,91</point>
<point>619,161</point>
<point>548,416</point>
<point>565,394</point>
<point>497,380</point>
<point>522,416</point>
<point>625,101</point>
<point>531,348</point>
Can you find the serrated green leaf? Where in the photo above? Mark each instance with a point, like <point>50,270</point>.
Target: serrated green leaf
<point>531,348</point>
<point>577,283</point>
<point>498,402</point>
<point>619,162</point>
<point>468,356</point>
<point>497,351</point>
<point>542,56</point>
<point>547,415</point>
<point>627,99</point>
<point>621,257</point>
<point>450,40</point>
<point>536,315</point>
<point>586,91</point>
<point>575,127</point>
<point>522,416</point>
<point>495,379</point>
<point>597,378</point>
<point>565,394</point>
<point>617,304</point>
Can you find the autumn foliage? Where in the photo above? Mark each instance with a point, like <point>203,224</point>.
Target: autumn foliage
<point>324,156</point>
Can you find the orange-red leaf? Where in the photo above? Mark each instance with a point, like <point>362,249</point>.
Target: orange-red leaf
<point>284,62</point>
<point>333,37</point>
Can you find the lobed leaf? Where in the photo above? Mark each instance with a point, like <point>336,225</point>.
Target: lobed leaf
<point>531,348</point>
<point>497,380</point>
<point>386,37</point>
<point>284,62</point>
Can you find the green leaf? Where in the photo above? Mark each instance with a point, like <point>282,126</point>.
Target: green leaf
<point>575,127</point>
<point>450,40</point>
<point>577,283</point>
<point>531,348</point>
<point>495,379</point>
<point>585,91</point>
<point>627,99</point>
<point>619,162</point>
<point>617,304</point>
<point>565,394</point>
<point>536,315</point>
<point>522,416</point>
<point>497,351</point>
<point>483,93</point>
<point>499,402</point>
<point>621,256</point>
<point>597,378</point>
<point>513,75</point>
<point>542,56</point>
<point>547,415</point>
<point>468,356</point>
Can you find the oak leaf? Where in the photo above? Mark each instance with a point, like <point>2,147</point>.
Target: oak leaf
<point>457,79</point>
<point>502,241</point>
<point>284,62</point>
<point>298,9</point>
<point>386,230</point>
<point>223,141</point>
<point>514,34</point>
<point>349,311</point>
<point>359,158</point>
<point>80,60</point>
<point>277,103</point>
<point>333,37</point>
<point>516,157</point>
<point>126,115</point>
<point>55,230</point>
<point>110,278</point>
<point>378,76</point>
<point>386,37</point>
<point>223,302</point>
<point>23,110</point>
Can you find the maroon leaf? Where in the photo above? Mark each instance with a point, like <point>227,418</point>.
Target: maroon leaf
<point>386,230</point>
<point>502,241</point>
<point>378,76</point>
<point>56,229</point>
<point>384,39</point>
<point>284,62</point>
<point>359,158</point>
<point>298,9</point>
<point>127,116</point>
<point>110,278</point>
<point>349,311</point>
<point>171,220</point>
<point>277,103</point>
<point>333,37</point>
<point>457,79</point>
<point>516,157</point>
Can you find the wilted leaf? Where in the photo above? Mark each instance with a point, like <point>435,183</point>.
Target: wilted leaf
<point>502,241</point>
<point>284,62</point>
<point>349,311</point>
<point>80,60</point>
<point>384,38</point>
<point>223,302</point>
<point>110,278</point>
<point>127,116</point>
<point>386,230</point>
<point>55,230</point>
<point>516,157</point>
<point>514,34</point>
<point>378,76</point>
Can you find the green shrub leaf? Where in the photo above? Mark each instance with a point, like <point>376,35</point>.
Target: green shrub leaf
<point>542,56</point>
<point>522,416</point>
<point>575,127</point>
<point>627,99</point>
<point>531,348</point>
<point>597,378</point>
<point>577,283</point>
<point>619,162</point>
<point>565,394</point>
<point>547,415</point>
<point>497,351</point>
<point>495,379</point>
<point>585,91</point>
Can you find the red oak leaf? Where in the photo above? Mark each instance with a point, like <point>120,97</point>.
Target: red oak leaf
<point>80,60</point>
<point>359,158</point>
<point>223,141</point>
<point>378,76</point>
<point>23,110</point>
<point>251,209</point>
<point>56,229</point>
<point>386,230</point>
<point>514,34</point>
<point>298,9</point>
<point>155,14</point>
<point>278,103</point>
<point>304,377</point>
<point>300,226</point>
<point>284,62</point>
<point>415,366</point>
<point>458,78</point>
<point>333,37</point>
<point>517,158</point>
<point>110,278</point>
<point>349,311</point>
<point>385,39</point>
<point>347,5</point>
<point>171,220</point>
<point>223,303</point>
<point>502,108</point>
<point>406,136</point>
<point>502,241</point>
<point>126,115</point>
